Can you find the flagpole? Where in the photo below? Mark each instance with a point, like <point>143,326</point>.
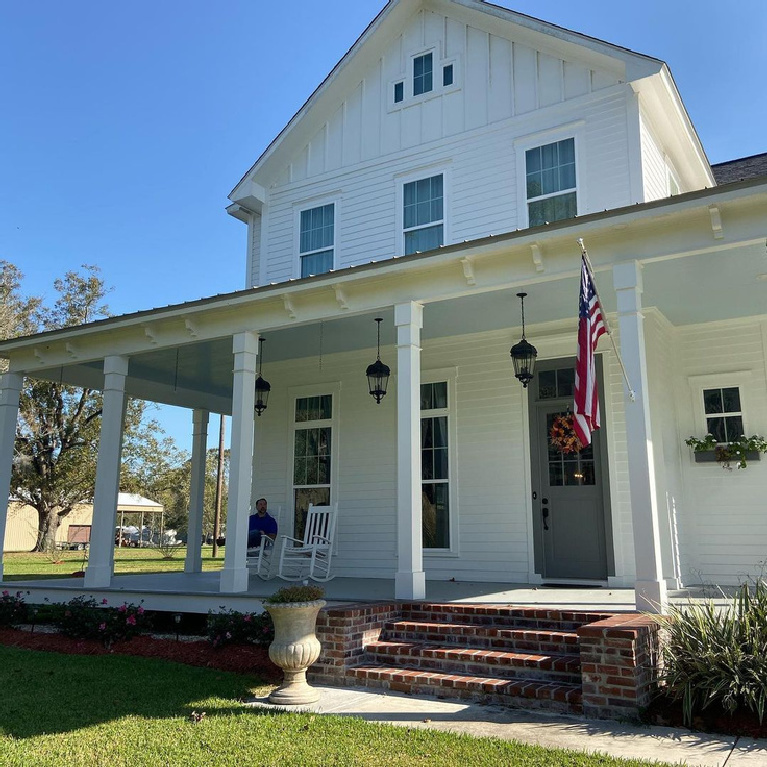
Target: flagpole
<point>632,393</point>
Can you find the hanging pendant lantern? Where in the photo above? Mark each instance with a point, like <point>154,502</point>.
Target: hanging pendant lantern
<point>378,373</point>
<point>262,386</point>
<point>523,353</point>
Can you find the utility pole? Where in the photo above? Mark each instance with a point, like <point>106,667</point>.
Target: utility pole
<point>219,485</point>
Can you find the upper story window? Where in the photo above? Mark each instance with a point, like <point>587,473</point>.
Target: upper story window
<point>317,240</point>
<point>724,415</point>
<point>550,182</point>
<point>423,214</point>
<point>423,74</point>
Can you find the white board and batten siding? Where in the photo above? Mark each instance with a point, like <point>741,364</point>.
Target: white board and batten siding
<point>505,94</point>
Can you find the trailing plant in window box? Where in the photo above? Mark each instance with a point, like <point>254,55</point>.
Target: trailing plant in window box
<point>739,451</point>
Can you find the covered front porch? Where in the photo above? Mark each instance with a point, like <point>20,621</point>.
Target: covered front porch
<point>448,320</point>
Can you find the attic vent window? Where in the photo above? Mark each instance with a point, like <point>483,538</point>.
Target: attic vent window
<point>447,75</point>
<point>399,92</point>
<point>422,74</point>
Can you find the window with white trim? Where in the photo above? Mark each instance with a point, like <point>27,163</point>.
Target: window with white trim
<point>312,456</point>
<point>423,74</point>
<point>317,239</point>
<point>551,182</point>
<point>423,214</point>
<point>723,412</point>
<point>435,465</point>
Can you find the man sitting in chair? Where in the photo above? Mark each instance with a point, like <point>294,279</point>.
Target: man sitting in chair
<point>261,523</point>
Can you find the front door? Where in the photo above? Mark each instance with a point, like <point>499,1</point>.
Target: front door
<point>569,497</point>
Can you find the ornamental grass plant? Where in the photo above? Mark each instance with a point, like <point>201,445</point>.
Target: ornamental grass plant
<point>718,656</point>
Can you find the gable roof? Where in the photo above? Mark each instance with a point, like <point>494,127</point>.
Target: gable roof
<point>393,17</point>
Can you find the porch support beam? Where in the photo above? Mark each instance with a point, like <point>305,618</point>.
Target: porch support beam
<point>650,587</point>
<point>410,579</point>
<point>193,561</point>
<point>234,576</point>
<point>102,547</point>
<point>10,391</point>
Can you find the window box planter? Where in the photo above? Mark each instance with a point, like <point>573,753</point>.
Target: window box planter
<point>709,456</point>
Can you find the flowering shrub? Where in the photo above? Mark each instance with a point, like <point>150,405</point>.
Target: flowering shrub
<point>12,609</point>
<point>232,627</point>
<point>84,618</point>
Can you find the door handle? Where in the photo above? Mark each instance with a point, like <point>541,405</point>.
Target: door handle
<point>545,514</point>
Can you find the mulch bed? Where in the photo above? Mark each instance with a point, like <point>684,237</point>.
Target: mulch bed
<point>668,713</point>
<point>241,659</point>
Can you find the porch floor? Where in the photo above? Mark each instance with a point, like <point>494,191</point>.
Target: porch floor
<point>199,592</point>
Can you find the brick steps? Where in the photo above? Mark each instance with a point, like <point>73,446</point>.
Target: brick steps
<point>485,636</point>
<point>516,617</point>
<point>527,693</point>
<point>472,661</point>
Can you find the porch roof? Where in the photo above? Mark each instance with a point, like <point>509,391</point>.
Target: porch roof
<point>182,354</point>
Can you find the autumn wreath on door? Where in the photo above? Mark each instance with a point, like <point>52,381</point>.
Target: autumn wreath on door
<point>562,435</point>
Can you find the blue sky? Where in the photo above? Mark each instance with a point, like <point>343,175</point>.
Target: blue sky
<point>123,126</point>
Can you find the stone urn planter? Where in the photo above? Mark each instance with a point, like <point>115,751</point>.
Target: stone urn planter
<point>295,647</point>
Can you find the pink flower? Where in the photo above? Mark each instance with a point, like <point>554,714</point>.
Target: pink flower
<point>131,620</point>
<point>140,611</point>
<point>5,593</point>
<point>122,608</point>
<point>104,601</point>
<point>247,619</point>
<point>102,627</point>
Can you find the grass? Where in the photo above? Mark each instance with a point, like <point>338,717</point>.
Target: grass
<point>38,565</point>
<point>135,712</point>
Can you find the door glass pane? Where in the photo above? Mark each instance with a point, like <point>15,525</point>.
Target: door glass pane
<point>547,384</point>
<point>565,382</point>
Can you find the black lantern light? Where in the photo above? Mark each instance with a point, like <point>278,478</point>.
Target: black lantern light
<point>523,353</point>
<point>378,373</point>
<point>262,386</point>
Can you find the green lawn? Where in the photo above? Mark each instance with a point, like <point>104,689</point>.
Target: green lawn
<point>26,566</point>
<point>134,712</point>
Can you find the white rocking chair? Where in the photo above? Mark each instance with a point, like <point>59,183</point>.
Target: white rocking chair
<point>310,557</point>
<point>262,558</point>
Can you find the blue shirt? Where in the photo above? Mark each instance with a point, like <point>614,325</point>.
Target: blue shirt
<point>266,524</point>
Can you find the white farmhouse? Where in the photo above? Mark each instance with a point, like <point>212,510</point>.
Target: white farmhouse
<point>451,160</point>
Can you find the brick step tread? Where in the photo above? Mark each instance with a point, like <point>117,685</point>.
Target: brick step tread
<point>531,689</point>
<point>542,640</point>
<point>565,663</point>
<point>480,613</point>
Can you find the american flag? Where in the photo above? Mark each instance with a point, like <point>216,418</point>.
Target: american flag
<point>591,325</point>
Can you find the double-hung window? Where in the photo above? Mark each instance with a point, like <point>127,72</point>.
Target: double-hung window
<point>423,214</point>
<point>550,182</point>
<point>317,240</point>
<point>435,465</point>
<point>724,416</point>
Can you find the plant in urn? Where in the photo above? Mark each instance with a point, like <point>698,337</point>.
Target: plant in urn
<point>295,647</point>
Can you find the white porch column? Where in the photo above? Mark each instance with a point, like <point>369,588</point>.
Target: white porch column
<point>193,561</point>
<point>234,576</point>
<point>102,547</point>
<point>10,388</point>
<point>650,586</point>
<point>410,579</point>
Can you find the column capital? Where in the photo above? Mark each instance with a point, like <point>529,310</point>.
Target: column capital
<point>410,313</point>
<point>245,343</point>
<point>116,365</point>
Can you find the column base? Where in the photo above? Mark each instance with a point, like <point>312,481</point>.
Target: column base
<point>193,564</point>
<point>651,596</point>
<point>234,579</point>
<point>410,585</point>
<point>98,576</point>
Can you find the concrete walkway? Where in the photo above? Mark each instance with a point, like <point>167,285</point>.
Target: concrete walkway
<point>662,744</point>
